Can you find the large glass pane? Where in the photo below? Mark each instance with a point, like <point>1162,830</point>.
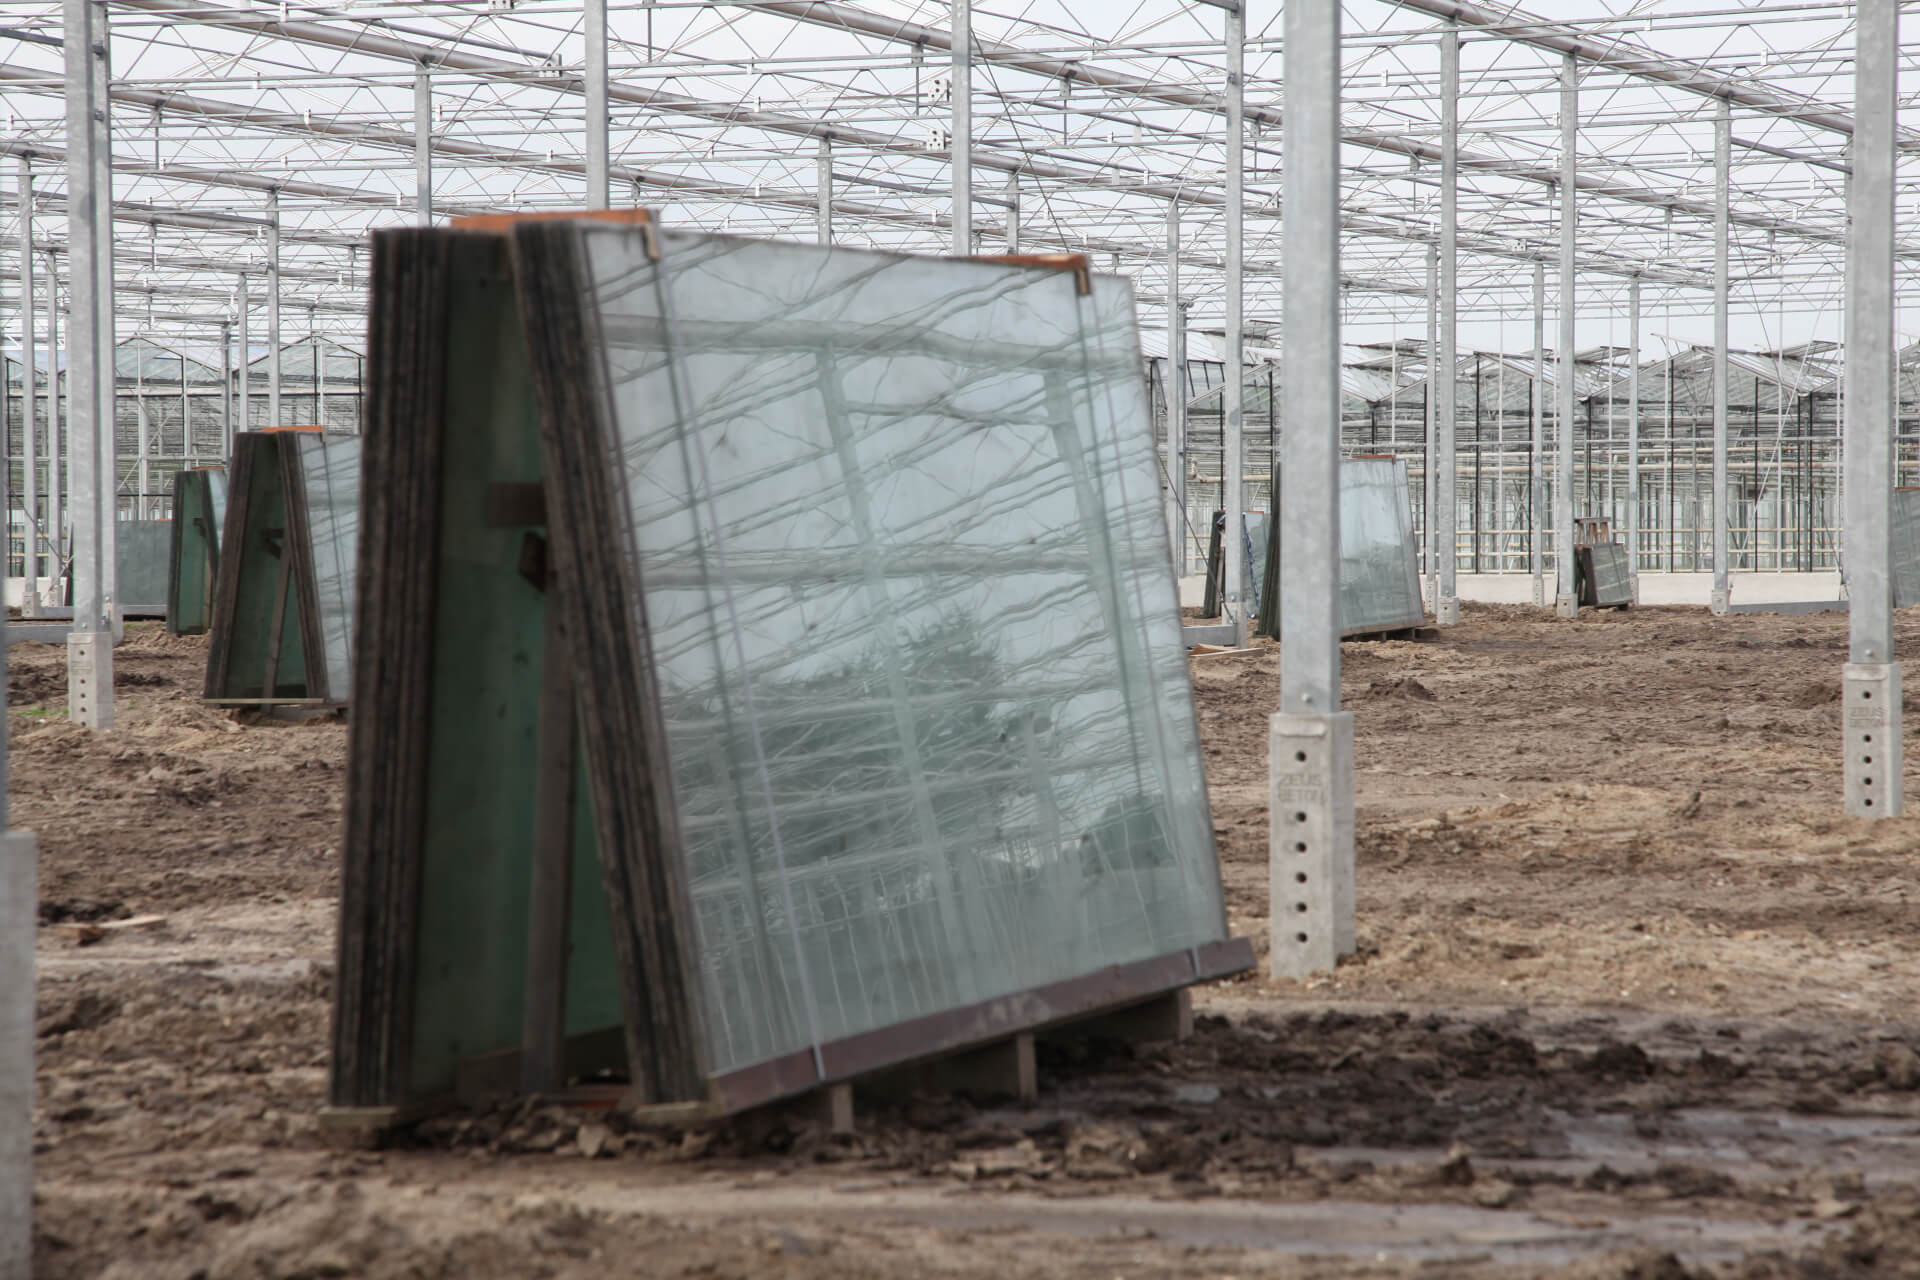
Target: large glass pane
<point>142,550</point>
<point>897,529</point>
<point>1906,548</point>
<point>330,466</point>
<point>217,500</point>
<point>1253,556</point>
<point>1379,581</point>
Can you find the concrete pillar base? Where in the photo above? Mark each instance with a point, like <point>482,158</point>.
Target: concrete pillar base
<point>1310,841</point>
<point>1875,754</point>
<point>1566,606</point>
<point>1447,612</point>
<point>1719,601</point>
<point>90,679</point>
<point>19,919</point>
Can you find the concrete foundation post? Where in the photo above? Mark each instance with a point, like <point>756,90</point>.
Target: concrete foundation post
<point>1310,850</point>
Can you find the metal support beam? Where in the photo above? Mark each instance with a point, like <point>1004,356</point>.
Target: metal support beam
<point>1871,687</point>
<point>319,369</point>
<point>30,429</point>
<point>1565,602</point>
<point>273,310</point>
<point>1310,761</point>
<point>888,27</point>
<point>823,192</point>
<point>1233,390</point>
<point>90,364</point>
<point>1722,595</point>
<point>1447,601</point>
<point>962,143</point>
<point>1536,456</point>
<point>1633,437</point>
<point>1431,470</point>
<point>1176,393</point>
<point>599,189</point>
<point>226,391</point>
<point>1013,213</point>
<point>1617,55</point>
<point>244,416</point>
<point>58,543</point>
<point>422,143</point>
<point>143,431</point>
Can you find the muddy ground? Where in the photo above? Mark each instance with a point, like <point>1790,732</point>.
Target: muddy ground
<point>1632,1000</point>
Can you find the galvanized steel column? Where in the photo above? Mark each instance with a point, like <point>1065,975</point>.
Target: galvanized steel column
<point>1232,390</point>
<point>1633,438</point>
<point>186,418</point>
<point>1566,604</point>
<point>273,309</point>
<point>90,364</point>
<point>107,439</point>
<point>962,140</point>
<point>1874,754</point>
<point>599,190</point>
<point>1722,183</point>
<point>1013,213</point>
<point>423,143</point>
<point>1176,392</point>
<point>244,418</point>
<point>823,192</point>
<point>1447,602</point>
<point>226,391</point>
<point>1310,760</point>
<point>1536,456</point>
<point>30,430</point>
<point>319,368</point>
<point>57,544</point>
<point>1430,469</point>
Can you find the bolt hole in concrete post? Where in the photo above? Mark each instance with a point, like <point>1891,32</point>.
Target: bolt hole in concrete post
<point>1873,713</point>
<point>1312,865</point>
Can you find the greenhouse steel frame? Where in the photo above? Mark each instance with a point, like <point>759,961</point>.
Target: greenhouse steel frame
<point>1332,202</point>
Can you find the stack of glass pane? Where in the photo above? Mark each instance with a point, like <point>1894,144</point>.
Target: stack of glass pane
<point>892,533</point>
<point>1379,565</point>
<point>1608,581</point>
<point>284,595</point>
<point>863,580</point>
<point>199,510</point>
<point>142,549</point>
